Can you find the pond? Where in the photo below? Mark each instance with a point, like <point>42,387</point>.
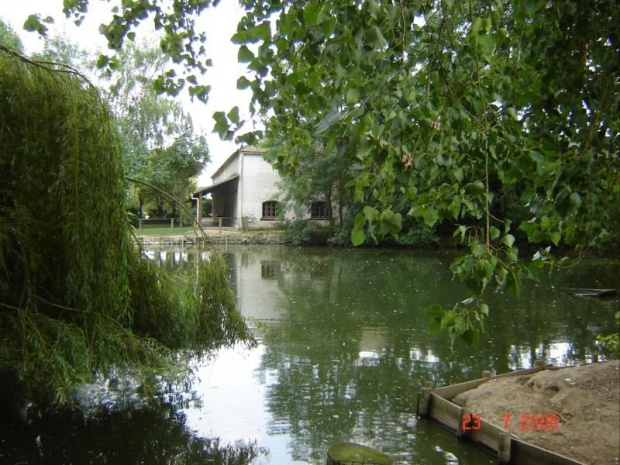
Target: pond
<point>343,352</point>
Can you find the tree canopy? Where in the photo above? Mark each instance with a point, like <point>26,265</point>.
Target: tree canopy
<point>9,38</point>
<point>159,141</point>
<point>460,105</point>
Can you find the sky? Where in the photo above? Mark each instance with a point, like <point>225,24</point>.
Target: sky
<point>219,24</point>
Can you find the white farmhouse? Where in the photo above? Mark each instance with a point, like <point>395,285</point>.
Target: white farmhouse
<point>244,192</point>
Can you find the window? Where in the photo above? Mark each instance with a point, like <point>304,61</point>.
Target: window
<point>269,269</point>
<point>270,210</point>
<point>318,210</point>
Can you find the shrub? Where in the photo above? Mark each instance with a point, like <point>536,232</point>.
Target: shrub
<point>305,232</point>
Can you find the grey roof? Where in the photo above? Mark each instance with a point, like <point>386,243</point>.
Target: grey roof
<point>212,187</point>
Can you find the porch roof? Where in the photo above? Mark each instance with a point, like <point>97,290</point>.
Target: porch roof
<point>202,191</point>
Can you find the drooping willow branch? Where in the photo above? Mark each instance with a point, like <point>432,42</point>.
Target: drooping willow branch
<point>50,66</point>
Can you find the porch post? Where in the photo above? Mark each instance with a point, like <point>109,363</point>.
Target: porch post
<point>199,209</point>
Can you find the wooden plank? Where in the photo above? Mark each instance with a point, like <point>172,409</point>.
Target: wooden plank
<point>444,411</point>
<point>524,453</point>
<point>488,434</point>
<point>450,392</point>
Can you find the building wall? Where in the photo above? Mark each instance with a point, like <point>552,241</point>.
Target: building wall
<point>244,197</point>
<point>258,184</point>
<point>229,168</point>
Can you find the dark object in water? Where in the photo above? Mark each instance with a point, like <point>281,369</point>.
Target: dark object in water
<point>584,292</point>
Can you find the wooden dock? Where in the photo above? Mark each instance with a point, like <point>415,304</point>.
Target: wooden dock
<point>437,404</point>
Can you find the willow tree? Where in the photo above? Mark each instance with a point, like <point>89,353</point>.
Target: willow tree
<point>76,295</point>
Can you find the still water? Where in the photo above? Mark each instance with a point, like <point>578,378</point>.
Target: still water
<point>343,352</point>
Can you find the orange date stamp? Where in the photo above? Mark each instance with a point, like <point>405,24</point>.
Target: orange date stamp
<point>527,421</point>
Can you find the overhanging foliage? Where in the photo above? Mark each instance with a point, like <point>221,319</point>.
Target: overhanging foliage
<point>76,296</point>
<point>457,104</point>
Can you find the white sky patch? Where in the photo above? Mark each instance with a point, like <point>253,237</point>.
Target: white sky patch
<point>219,23</point>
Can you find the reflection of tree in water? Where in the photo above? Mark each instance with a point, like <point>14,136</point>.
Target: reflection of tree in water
<point>344,370</point>
<point>145,436</point>
<point>352,351</point>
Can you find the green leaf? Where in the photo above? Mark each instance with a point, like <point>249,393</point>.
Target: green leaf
<point>434,326</point>
<point>221,124</point>
<point>369,213</point>
<point>575,202</point>
<point>357,237</point>
<point>102,61</point>
<point>536,156</point>
<point>261,32</point>
<point>512,112</point>
<point>484,309</point>
<point>158,85</point>
<point>353,96</point>
<point>115,64</point>
<point>508,240</point>
<point>487,44</point>
<point>330,145</point>
<point>375,37</point>
<point>436,311</point>
<point>479,250</point>
<point>311,14</point>
<point>34,24</point>
<point>233,115</point>
<point>431,216</point>
<point>245,55</point>
<point>329,26</point>
<point>448,319</point>
<point>243,83</point>
<point>471,337</point>
<point>460,323</point>
<point>513,255</point>
<point>478,186</point>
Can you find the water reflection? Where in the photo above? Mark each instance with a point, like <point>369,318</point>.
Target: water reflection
<point>344,349</point>
<point>142,436</point>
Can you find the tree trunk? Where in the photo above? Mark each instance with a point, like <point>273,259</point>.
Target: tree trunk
<point>330,211</point>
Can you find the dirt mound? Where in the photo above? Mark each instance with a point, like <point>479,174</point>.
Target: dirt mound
<point>585,400</point>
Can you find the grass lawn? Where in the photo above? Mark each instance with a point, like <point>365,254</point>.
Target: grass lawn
<point>163,230</point>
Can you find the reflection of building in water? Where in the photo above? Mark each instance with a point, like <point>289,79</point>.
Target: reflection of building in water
<point>254,275</point>
<point>261,275</point>
<point>169,258</point>
<point>269,269</point>
<point>557,353</point>
<point>372,345</point>
<point>426,357</point>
